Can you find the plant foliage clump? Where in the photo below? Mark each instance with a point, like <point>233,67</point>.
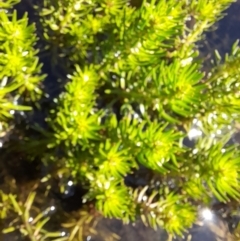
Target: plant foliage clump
<point>134,94</point>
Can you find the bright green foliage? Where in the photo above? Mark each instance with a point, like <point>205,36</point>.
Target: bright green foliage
<point>170,212</point>
<point>76,120</point>
<point>220,172</point>
<point>135,89</point>
<point>147,63</point>
<point>109,193</point>
<point>8,4</point>
<point>20,71</point>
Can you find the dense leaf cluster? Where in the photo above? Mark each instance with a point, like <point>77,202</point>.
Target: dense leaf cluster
<point>134,92</point>
<point>20,71</point>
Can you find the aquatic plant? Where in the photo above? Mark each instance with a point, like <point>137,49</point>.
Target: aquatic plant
<point>133,123</point>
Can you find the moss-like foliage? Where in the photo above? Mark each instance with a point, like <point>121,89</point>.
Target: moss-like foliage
<point>134,104</point>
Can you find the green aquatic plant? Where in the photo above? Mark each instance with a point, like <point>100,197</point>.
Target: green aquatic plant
<point>23,222</point>
<point>20,70</point>
<point>132,92</point>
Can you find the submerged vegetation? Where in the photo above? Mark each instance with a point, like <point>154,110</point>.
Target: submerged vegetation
<point>106,111</point>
